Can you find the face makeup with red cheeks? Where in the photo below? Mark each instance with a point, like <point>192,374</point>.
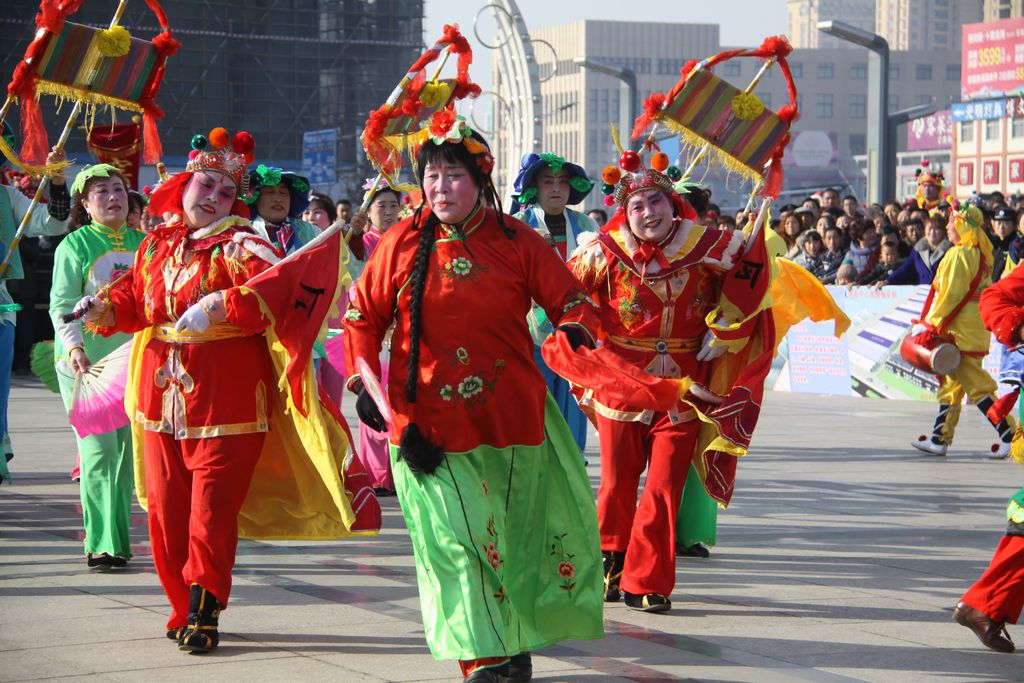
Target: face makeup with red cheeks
<point>208,198</point>
<point>650,215</point>
<point>107,201</point>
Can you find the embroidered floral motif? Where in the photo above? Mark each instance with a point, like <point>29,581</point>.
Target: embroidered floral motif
<point>459,267</point>
<point>629,308</point>
<point>353,314</point>
<point>462,354</point>
<point>446,392</point>
<point>565,568</point>
<point>493,556</point>
<point>470,386</point>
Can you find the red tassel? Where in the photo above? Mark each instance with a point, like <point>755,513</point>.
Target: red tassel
<point>776,46</point>
<point>998,411</point>
<point>152,149</point>
<point>35,144</point>
<point>652,107</point>
<point>165,44</point>
<point>788,114</point>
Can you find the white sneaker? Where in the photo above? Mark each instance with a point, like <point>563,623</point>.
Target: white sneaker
<point>1000,450</point>
<point>926,445</point>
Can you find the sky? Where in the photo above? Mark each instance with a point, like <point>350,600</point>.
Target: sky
<point>761,18</point>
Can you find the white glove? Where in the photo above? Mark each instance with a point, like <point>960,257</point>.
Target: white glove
<point>707,351</point>
<point>195,319</point>
<point>918,329</point>
<point>88,302</point>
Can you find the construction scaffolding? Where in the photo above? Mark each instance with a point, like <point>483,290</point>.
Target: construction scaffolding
<point>275,68</point>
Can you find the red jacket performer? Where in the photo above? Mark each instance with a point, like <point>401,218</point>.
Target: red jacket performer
<point>208,410</point>
<point>997,596</point>
<point>657,277</point>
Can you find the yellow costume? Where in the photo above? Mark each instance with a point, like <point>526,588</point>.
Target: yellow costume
<point>956,280</point>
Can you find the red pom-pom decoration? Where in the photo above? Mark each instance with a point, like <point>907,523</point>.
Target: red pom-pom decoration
<point>611,174</point>
<point>193,154</point>
<point>609,199</point>
<point>243,143</point>
<point>659,162</point>
<point>219,138</point>
<point>924,163</point>
<point>630,161</point>
<point>250,157</point>
<point>147,190</point>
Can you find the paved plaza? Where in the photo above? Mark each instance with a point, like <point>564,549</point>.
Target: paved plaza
<point>840,560</point>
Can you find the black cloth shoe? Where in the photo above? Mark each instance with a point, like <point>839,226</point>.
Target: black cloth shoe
<point>613,561</point>
<point>650,602</point>
<point>176,633</point>
<point>99,561</point>
<point>483,676</point>
<point>520,668</point>
<point>695,550</point>
<point>118,562</point>
<point>203,612</point>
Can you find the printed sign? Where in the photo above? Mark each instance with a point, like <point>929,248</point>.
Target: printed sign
<point>992,58</point>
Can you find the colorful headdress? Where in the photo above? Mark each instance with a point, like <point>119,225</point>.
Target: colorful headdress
<point>212,154</point>
<point>96,67</point>
<point>217,152</point>
<point>525,192</point>
<point>928,176</point>
<point>731,125</point>
<point>631,176</point>
<point>268,176</point>
<point>445,126</point>
<point>391,129</point>
<point>968,221</point>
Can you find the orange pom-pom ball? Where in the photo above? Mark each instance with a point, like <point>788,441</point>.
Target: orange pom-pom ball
<point>219,138</point>
<point>659,162</point>
<point>611,174</point>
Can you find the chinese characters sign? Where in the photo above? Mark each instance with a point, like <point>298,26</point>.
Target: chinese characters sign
<point>993,58</point>
<point>990,172</point>
<point>978,111</point>
<point>931,132</point>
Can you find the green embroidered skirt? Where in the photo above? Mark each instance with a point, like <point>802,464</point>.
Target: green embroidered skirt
<point>508,557</point>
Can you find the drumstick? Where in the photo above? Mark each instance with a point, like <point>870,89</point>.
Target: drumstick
<point>77,315</point>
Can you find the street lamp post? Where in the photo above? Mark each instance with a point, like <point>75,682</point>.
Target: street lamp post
<point>627,91</point>
<point>880,146</point>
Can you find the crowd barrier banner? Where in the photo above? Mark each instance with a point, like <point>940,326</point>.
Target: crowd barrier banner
<point>866,361</point>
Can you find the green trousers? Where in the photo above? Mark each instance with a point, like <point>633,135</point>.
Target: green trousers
<point>698,514</point>
<point>108,479</point>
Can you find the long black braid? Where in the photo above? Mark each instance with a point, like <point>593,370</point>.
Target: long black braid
<point>428,234</point>
<point>420,453</point>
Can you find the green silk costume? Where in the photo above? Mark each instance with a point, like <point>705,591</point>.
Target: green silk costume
<point>86,260</point>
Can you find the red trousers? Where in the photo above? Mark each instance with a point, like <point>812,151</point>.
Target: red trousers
<point>999,593</point>
<point>645,531</point>
<point>195,488</point>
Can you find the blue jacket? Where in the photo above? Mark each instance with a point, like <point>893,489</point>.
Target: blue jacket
<point>919,268</point>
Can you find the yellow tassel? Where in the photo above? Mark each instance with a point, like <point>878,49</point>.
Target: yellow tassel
<point>87,98</point>
<point>615,139</point>
<point>715,154</point>
<point>31,169</point>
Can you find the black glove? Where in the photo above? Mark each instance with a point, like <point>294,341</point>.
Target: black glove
<point>577,336</point>
<point>368,411</point>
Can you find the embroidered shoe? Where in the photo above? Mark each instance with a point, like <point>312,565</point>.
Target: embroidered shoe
<point>613,562</point>
<point>650,602</point>
<point>1000,450</point>
<point>927,445</point>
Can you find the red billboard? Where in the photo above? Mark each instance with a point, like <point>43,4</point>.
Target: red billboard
<point>993,58</point>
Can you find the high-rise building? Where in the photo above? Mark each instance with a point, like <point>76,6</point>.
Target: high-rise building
<point>804,16</point>
<point>925,24</point>
<point>579,105</point>
<point>993,10</point>
<point>276,69</point>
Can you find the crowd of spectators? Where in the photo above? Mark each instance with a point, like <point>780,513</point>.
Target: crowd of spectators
<point>844,243</point>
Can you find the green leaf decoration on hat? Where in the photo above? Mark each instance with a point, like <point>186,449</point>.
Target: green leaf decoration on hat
<point>581,183</point>
<point>553,161</point>
<point>89,172</point>
<point>300,184</point>
<point>527,196</point>
<point>268,176</point>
